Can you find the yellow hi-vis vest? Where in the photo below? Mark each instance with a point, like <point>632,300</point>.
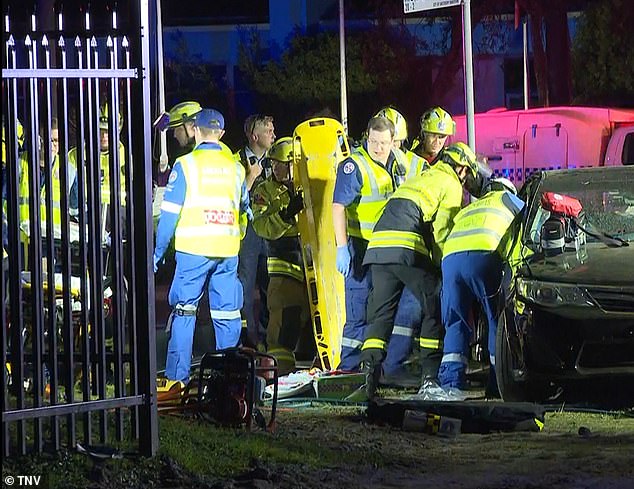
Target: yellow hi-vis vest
<point>209,223</point>
<point>411,162</point>
<point>376,188</point>
<point>481,225</point>
<point>437,193</point>
<point>56,193</point>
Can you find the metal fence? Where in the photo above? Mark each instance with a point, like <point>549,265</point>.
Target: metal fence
<point>76,286</point>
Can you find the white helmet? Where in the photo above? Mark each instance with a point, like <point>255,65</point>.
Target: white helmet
<point>500,183</point>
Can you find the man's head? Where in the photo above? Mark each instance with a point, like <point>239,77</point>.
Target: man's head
<point>104,142</point>
<point>435,126</point>
<point>209,125</point>
<point>281,156</point>
<point>260,133</point>
<point>499,184</point>
<point>181,121</point>
<point>54,142</point>
<point>380,139</point>
<point>400,124</point>
<point>463,160</point>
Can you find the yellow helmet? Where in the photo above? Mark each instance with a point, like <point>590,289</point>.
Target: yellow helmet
<point>394,116</point>
<point>183,112</point>
<point>459,154</point>
<point>103,118</point>
<point>437,121</point>
<point>282,150</point>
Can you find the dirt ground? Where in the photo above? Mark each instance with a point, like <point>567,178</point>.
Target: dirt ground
<point>557,458</point>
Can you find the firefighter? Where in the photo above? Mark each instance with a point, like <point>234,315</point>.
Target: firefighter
<point>260,134</point>
<point>476,257</point>
<point>205,205</point>
<point>405,251</point>
<point>275,206</point>
<point>181,122</point>
<point>363,184</point>
<point>436,125</point>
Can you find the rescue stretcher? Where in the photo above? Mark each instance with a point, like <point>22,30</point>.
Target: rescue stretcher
<point>318,146</point>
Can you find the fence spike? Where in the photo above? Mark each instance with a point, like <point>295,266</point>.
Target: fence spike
<point>27,41</point>
<point>78,43</point>
<point>61,42</point>
<point>93,42</point>
<point>124,43</point>
<point>109,42</point>
<point>11,41</point>
<point>45,41</point>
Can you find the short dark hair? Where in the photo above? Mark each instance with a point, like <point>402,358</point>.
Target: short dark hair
<point>380,124</point>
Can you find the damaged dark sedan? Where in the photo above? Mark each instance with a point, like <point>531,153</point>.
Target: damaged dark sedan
<point>569,322</point>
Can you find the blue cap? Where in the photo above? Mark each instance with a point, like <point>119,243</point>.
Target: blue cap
<point>210,118</point>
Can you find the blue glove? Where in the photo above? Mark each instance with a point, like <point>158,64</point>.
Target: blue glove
<point>343,260</point>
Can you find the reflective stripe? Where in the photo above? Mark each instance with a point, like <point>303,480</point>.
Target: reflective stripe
<point>430,343</point>
<point>474,232</point>
<point>171,207</point>
<point>215,314</point>
<point>351,343</point>
<point>492,360</point>
<point>202,231</point>
<point>485,210</point>
<point>282,267</point>
<point>402,331</point>
<point>243,324</point>
<point>398,239</point>
<point>186,307</point>
<point>375,343</point>
<point>454,357</point>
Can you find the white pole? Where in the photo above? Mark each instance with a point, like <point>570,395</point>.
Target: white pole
<point>161,85</point>
<point>526,65</point>
<point>342,57</point>
<point>468,71</point>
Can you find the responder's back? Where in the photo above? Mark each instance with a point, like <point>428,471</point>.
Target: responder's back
<point>209,222</point>
<point>417,218</point>
<point>483,224</point>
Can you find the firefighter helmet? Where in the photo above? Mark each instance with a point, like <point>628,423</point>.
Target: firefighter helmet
<point>183,112</point>
<point>282,150</point>
<point>103,118</point>
<point>437,121</point>
<point>500,183</point>
<point>459,154</point>
<point>400,124</point>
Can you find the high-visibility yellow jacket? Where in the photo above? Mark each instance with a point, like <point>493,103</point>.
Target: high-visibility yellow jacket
<point>411,162</point>
<point>483,225</point>
<point>104,163</point>
<point>269,198</point>
<point>56,190</point>
<point>377,186</point>
<point>209,223</point>
<point>417,219</point>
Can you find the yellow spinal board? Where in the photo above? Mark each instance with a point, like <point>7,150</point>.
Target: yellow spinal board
<point>318,146</point>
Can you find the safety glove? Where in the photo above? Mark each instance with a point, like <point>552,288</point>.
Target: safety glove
<point>294,207</point>
<point>343,260</point>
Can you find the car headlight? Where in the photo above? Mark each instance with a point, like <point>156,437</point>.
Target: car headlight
<point>552,294</point>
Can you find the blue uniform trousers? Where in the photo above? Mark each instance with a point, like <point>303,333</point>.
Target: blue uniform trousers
<point>225,300</point>
<point>406,324</point>
<point>467,277</point>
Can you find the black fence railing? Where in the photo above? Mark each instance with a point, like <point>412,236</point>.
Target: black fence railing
<point>77,290</point>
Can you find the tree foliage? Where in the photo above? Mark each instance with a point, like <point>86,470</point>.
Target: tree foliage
<point>603,55</point>
<point>307,76</point>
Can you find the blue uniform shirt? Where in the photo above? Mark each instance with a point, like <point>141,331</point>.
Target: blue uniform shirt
<point>174,198</point>
<point>349,180</point>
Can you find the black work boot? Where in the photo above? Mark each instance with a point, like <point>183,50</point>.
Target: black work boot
<point>366,392</point>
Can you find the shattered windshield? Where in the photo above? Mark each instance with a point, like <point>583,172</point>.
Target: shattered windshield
<point>606,194</point>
